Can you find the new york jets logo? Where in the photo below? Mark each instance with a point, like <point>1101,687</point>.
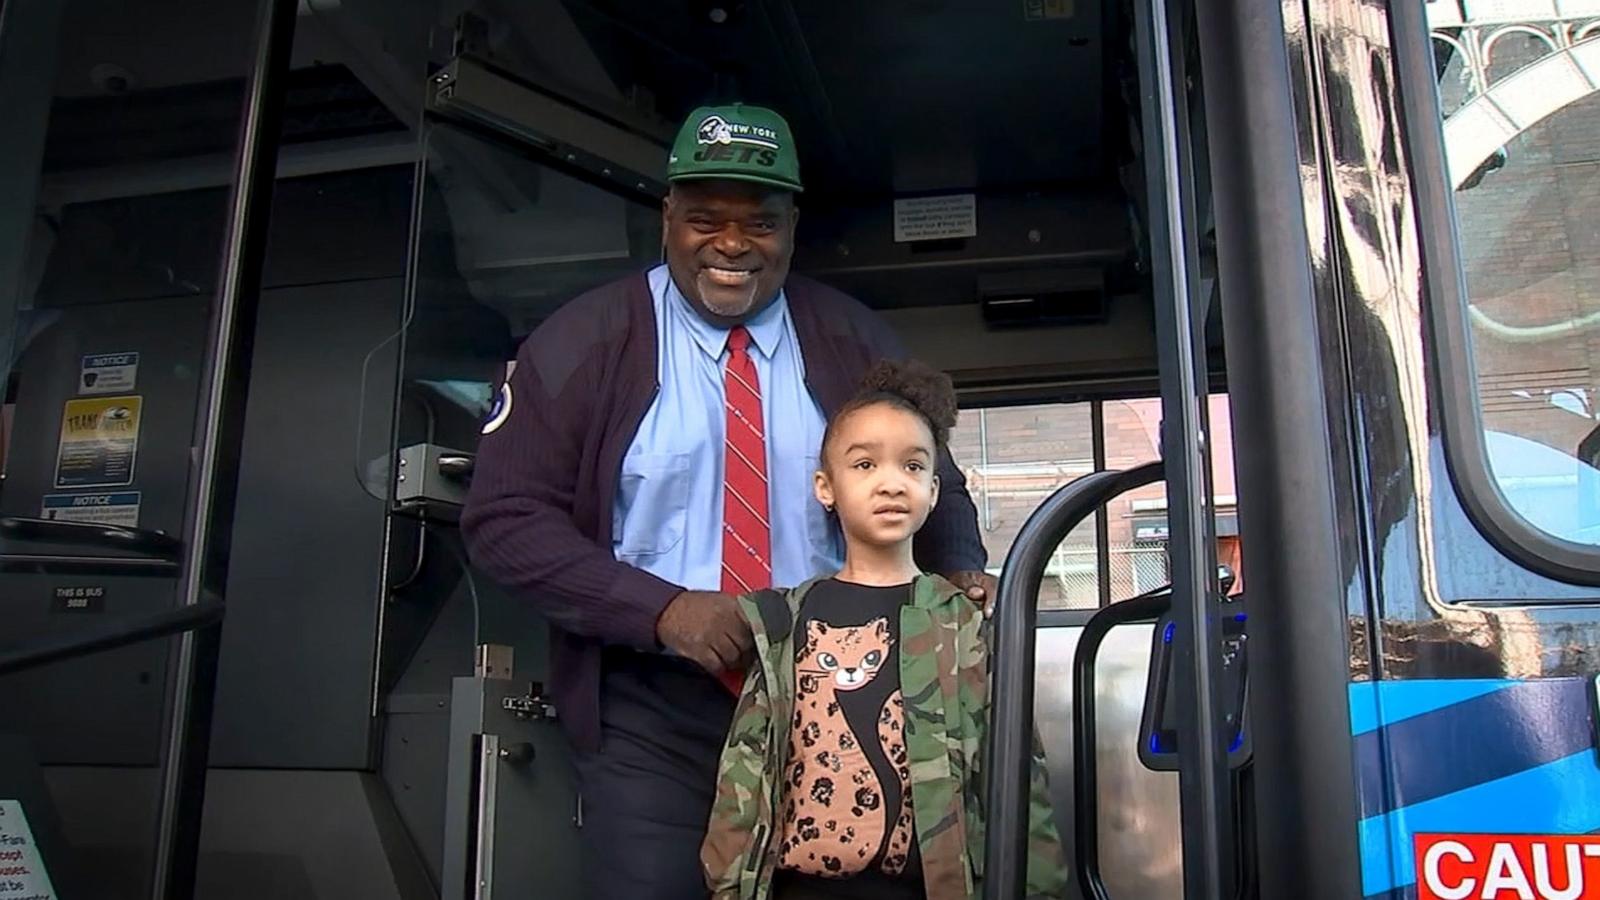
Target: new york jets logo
<point>717,130</point>
<point>714,130</point>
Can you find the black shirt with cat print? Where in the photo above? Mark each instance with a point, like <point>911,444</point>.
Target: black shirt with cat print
<point>848,830</point>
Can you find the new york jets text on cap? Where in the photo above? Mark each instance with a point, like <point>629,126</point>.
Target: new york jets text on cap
<point>745,143</point>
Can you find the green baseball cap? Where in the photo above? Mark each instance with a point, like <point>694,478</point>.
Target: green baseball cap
<point>744,143</point>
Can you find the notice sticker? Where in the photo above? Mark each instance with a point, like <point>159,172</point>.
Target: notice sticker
<point>78,599</point>
<point>109,373</point>
<point>121,508</point>
<point>22,872</point>
<point>99,442</point>
<point>936,218</point>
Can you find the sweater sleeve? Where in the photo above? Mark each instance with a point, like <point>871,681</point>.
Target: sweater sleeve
<point>518,522</point>
<point>950,542</point>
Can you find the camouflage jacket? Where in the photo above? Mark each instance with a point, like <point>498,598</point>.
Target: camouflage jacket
<point>944,678</point>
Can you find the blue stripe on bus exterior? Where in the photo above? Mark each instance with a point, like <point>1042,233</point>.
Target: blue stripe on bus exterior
<point>1377,703</point>
<point>1561,797</point>
<point>1524,725</point>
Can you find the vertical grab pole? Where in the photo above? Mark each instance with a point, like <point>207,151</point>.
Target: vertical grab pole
<point>219,435</point>
<point>1203,778</point>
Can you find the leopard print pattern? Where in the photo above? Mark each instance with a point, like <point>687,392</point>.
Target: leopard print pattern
<point>892,734</point>
<point>833,819</point>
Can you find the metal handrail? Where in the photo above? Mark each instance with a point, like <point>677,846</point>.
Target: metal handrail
<point>111,635</point>
<point>1010,745</point>
<point>1085,773</point>
<point>155,545</point>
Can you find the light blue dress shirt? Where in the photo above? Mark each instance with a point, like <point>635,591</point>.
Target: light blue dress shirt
<point>667,519</point>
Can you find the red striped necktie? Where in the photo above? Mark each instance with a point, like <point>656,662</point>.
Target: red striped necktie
<point>746,531</point>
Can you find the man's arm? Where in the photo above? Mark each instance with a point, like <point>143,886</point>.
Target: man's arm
<point>949,543</point>
<point>518,517</point>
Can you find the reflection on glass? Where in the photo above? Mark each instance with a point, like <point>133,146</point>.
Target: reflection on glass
<point>1522,136</point>
<point>504,241</point>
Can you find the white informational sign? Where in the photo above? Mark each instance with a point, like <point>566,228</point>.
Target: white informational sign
<point>120,508</point>
<point>109,373</point>
<point>22,872</point>
<point>936,218</point>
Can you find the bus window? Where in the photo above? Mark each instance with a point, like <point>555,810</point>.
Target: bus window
<point>1138,520</point>
<point>1521,128</point>
<point>1016,456</point>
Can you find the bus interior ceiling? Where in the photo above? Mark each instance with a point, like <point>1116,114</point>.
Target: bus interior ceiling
<point>1049,299</point>
<point>1035,117</point>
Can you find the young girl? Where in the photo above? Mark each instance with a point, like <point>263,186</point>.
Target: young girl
<point>852,767</point>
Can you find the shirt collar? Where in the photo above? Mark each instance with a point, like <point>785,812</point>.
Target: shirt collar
<point>766,328</point>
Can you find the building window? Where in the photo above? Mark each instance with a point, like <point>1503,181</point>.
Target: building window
<point>1016,456</point>
<point>1520,319</point>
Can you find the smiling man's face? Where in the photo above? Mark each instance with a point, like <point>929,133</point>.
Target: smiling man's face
<point>728,246</point>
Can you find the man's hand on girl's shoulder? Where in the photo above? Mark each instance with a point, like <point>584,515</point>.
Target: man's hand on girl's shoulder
<point>981,588</point>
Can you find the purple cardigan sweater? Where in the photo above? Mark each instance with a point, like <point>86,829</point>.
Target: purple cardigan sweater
<point>538,516</point>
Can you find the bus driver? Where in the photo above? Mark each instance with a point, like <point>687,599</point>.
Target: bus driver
<point>650,457</point>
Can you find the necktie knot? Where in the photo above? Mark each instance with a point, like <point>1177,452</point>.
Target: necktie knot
<point>738,340</point>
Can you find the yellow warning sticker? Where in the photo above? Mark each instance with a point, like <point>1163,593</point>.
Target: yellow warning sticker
<point>99,442</point>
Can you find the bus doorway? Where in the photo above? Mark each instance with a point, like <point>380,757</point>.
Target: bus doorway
<point>208,410</point>
<point>975,177</point>
<point>447,176</point>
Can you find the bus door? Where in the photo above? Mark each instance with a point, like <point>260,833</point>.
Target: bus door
<point>1452,210</point>
<point>182,412</point>
<point>107,627</point>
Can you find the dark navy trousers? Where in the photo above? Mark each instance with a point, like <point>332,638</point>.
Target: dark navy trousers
<point>647,794</point>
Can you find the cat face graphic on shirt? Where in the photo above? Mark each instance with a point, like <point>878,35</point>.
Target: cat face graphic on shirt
<point>848,657</point>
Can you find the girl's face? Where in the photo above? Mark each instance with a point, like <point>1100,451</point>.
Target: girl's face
<point>877,471</point>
